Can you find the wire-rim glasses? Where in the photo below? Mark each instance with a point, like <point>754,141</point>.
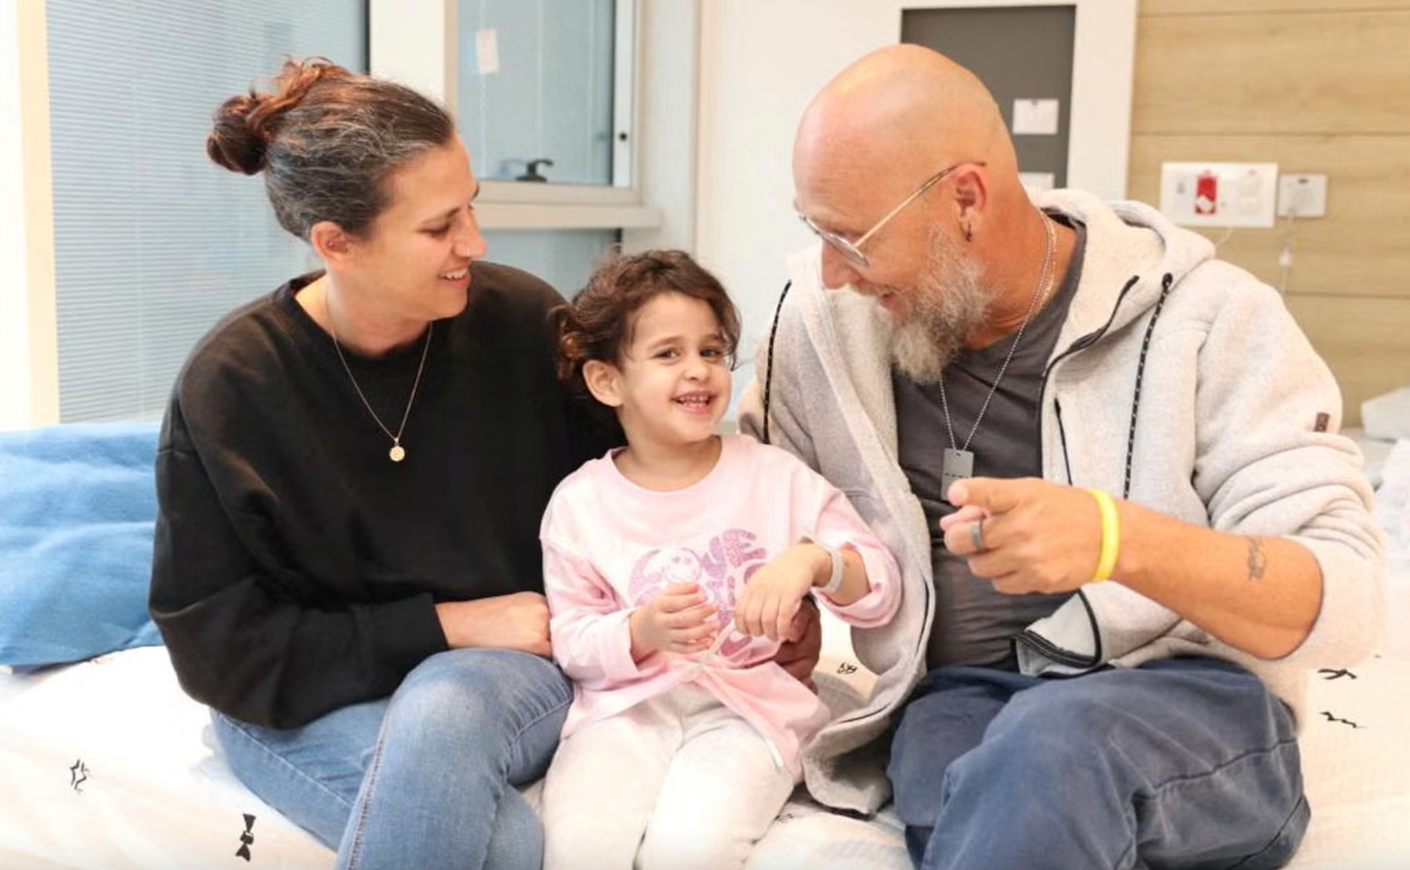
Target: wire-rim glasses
<point>852,251</point>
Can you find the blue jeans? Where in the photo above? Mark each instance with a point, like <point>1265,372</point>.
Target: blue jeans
<point>424,778</point>
<point>1181,763</point>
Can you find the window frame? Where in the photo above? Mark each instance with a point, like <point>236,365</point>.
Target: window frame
<point>399,34</point>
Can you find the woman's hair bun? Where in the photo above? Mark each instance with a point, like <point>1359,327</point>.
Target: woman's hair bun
<point>244,125</point>
<point>233,142</point>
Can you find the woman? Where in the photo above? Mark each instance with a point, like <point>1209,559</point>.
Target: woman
<point>351,478</point>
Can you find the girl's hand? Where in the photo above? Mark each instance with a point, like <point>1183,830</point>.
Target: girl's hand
<point>771,597</point>
<point>678,619</point>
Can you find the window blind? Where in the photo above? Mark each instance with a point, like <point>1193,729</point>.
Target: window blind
<point>153,242</point>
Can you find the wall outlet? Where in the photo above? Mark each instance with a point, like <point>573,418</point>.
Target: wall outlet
<point>1302,196</point>
<point>1219,194</point>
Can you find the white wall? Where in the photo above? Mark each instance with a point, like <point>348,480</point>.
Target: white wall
<point>760,64</point>
<point>14,318</point>
<point>28,334</point>
<point>667,88</point>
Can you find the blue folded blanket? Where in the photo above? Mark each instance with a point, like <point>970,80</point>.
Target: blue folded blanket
<point>77,507</point>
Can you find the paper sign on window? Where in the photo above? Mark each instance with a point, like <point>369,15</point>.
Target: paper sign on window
<point>487,50</point>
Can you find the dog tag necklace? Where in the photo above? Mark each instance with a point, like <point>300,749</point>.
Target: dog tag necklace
<point>398,452</point>
<point>958,460</point>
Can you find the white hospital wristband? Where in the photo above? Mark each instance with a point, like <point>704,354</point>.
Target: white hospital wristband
<point>834,580</point>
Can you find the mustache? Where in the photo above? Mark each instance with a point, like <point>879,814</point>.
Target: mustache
<point>870,288</point>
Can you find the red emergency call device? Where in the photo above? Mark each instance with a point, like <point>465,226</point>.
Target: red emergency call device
<point>1206,193</point>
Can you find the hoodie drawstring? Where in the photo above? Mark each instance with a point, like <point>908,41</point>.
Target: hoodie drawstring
<point>769,361</point>
<point>1165,284</point>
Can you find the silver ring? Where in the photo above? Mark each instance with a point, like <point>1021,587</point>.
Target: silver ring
<point>976,536</point>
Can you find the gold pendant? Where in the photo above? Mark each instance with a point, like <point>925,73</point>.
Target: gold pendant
<point>398,453</point>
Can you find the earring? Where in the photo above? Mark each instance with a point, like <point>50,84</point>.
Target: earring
<point>968,233</point>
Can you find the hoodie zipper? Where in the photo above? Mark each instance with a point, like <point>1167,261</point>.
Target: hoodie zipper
<point>1167,282</point>
<point>1081,343</point>
<point>1036,641</point>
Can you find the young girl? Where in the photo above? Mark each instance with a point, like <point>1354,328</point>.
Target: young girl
<point>673,568</point>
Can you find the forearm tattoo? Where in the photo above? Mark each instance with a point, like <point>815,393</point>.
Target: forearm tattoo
<point>1257,559</point>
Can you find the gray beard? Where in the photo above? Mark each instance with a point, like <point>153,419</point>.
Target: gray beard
<point>950,303</point>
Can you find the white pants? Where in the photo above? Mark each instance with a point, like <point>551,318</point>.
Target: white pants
<point>678,782</point>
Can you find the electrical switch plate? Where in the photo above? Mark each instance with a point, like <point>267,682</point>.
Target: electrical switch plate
<point>1302,196</point>
<point>1219,194</point>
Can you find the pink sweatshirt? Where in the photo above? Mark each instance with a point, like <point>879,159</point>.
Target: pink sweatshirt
<point>609,545</point>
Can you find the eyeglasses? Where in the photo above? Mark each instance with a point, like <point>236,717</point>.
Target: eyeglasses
<point>852,251</point>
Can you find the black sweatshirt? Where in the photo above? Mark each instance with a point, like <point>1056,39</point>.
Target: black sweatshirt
<point>296,566</point>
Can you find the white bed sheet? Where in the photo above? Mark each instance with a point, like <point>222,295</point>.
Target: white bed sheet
<point>104,765</point>
<point>1373,453</point>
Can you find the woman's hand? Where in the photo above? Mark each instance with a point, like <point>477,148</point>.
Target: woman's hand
<point>678,619</point>
<point>518,621</point>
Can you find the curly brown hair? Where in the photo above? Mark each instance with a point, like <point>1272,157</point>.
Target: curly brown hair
<point>598,323</point>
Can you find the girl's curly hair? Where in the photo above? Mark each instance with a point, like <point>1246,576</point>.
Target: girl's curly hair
<point>598,322</point>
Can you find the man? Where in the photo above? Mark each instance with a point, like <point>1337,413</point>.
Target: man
<point>1024,400</point>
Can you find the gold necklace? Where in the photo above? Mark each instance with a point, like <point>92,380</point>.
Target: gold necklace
<point>398,452</point>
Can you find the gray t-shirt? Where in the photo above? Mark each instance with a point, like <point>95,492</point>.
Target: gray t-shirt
<point>974,624</point>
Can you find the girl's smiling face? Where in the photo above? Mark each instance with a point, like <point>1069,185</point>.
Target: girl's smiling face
<point>672,385</point>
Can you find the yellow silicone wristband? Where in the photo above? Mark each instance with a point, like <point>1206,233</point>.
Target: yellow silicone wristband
<point>1111,535</point>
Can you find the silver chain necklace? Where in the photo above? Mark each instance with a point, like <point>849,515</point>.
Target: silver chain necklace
<point>958,461</point>
<point>397,453</point>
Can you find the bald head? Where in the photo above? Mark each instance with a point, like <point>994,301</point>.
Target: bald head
<point>867,145</point>
<point>903,106</point>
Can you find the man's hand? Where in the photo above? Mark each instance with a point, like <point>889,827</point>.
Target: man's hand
<point>1259,594</point>
<point>1037,536</point>
<point>678,619</point>
<point>802,646</point>
<point>518,621</point>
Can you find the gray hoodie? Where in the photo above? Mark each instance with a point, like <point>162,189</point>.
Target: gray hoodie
<point>1232,427</point>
